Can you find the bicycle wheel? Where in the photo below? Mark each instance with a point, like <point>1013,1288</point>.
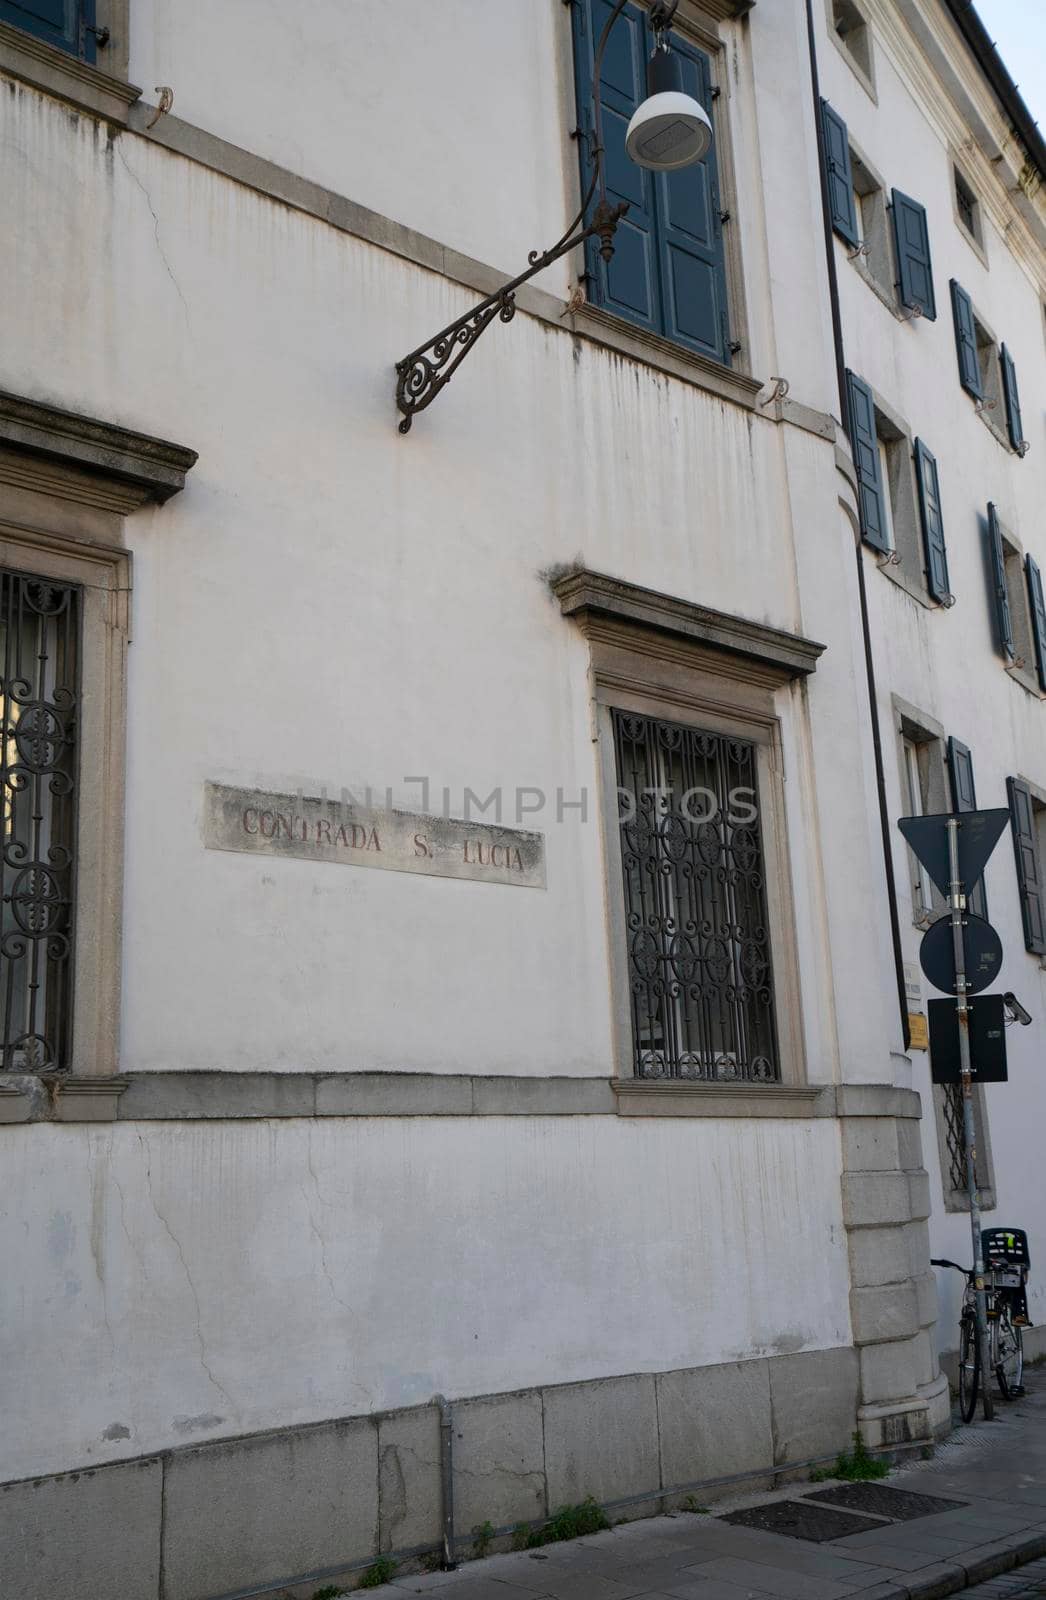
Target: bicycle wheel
<point>1007,1354</point>
<point>969,1368</point>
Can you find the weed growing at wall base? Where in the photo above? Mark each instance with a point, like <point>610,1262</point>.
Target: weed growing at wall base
<point>482,1535</point>
<point>569,1522</point>
<point>382,1571</point>
<point>854,1468</point>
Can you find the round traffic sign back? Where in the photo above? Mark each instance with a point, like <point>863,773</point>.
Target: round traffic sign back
<point>983,949</point>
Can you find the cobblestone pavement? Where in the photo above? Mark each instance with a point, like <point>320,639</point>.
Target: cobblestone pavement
<point>997,1470</point>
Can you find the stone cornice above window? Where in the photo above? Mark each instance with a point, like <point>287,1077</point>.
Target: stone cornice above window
<point>45,67</point>
<point>593,599</point>
<point>722,10</point>
<point>84,458</point>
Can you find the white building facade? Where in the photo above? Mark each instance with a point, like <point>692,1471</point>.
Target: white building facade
<point>446,950</point>
<point>939,234</point>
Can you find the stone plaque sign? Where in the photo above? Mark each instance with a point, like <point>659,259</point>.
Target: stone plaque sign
<point>314,829</point>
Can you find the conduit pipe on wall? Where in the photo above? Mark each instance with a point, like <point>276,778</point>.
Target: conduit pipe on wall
<point>446,1478</point>
<point>869,659</point>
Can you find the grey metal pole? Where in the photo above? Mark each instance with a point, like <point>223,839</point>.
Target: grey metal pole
<point>958,905</point>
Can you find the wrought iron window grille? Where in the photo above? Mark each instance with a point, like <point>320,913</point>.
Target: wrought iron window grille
<point>699,964</point>
<point>39,709</point>
<point>955,1140</point>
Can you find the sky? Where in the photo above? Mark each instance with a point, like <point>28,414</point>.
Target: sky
<point>1018,28</point>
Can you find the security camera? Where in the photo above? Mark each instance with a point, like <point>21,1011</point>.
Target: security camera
<point>1015,1010</point>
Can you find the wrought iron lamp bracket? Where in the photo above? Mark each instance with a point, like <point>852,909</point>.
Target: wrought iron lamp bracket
<point>425,371</point>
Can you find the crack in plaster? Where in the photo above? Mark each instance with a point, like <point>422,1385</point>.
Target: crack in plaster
<point>317,1231</point>
<point>188,1275</point>
<point>156,227</point>
<point>396,1491</point>
<point>95,1241</point>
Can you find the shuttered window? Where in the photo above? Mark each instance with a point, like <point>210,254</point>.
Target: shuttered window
<point>667,273</point>
<point>912,243</point>
<point>67,24</point>
<point>932,523</point>
<point>966,341</point>
<point>864,442</point>
<point>999,592</point>
<point>1029,866</point>
<point>1013,404</point>
<point>964,798</point>
<point>841,203</point>
<point>1037,607</point>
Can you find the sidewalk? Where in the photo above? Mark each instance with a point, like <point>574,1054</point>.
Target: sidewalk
<point>997,1471</point>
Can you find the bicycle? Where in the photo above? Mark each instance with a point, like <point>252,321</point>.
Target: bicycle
<point>1006,1262</point>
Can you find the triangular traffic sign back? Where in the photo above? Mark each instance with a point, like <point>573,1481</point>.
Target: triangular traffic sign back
<point>979,833</point>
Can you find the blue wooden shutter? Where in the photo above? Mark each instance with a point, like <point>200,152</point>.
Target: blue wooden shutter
<point>966,342</point>
<point>1013,404</point>
<point>840,177</point>
<point>1038,617</point>
<point>628,284</point>
<point>690,235</point>
<point>964,798</point>
<point>932,523</point>
<point>63,23</point>
<point>914,268</point>
<point>1000,593</point>
<point>1029,867</point>
<point>864,443</point>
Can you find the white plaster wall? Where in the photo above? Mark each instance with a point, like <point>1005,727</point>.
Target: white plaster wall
<point>165,1284</point>
<point>448,117</point>
<point>944,662</point>
<point>329,603</point>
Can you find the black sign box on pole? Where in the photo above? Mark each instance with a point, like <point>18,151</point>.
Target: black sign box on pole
<point>987,1039</point>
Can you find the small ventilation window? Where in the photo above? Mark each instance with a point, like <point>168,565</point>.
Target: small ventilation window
<point>852,31</point>
<point>967,209</point>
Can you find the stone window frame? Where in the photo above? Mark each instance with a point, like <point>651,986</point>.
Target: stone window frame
<point>976,240</point>
<point>863,70</point>
<point>915,727</point>
<point>874,258</point>
<point>1022,668</point>
<point>670,659</point>
<point>101,88</point>
<point>1038,806</point>
<point>991,408</point>
<point>905,564</point>
<point>66,485</point>
<point>957,1199</point>
<point>697,20</point>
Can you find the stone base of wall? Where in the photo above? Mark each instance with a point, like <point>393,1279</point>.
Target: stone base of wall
<point>312,1505</point>
<point>893,1294</point>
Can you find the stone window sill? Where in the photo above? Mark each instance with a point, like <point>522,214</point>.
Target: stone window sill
<point>884,296</point>
<point>641,1097</point>
<point>894,570</point>
<point>1027,680</point>
<point>592,322</point>
<point>971,239</point>
<point>55,72</point>
<point>957,1200</point>
<point>997,433</point>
